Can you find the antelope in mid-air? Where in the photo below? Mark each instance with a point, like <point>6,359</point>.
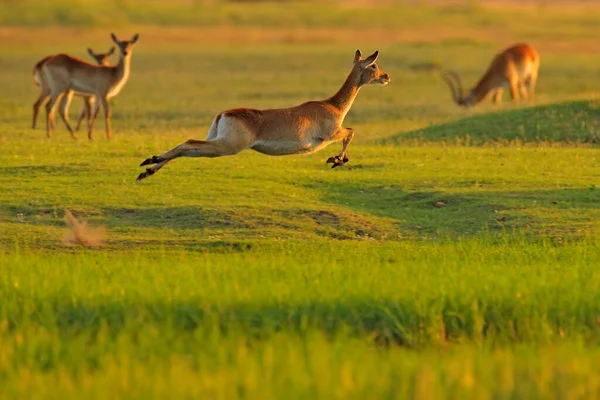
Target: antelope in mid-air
<point>88,101</point>
<point>302,129</point>
<point>516,68</point>
<point>66,75</point>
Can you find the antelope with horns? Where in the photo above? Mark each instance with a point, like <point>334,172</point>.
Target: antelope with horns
<point>302,129</point>
<point>516,68</point>
<point>86,109</point>
<point>66,75</point>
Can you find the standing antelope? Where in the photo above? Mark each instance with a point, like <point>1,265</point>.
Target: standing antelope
<point>515,67</point>
<point>66,75</point>
<point>38,78</point>
<point>303,129</point>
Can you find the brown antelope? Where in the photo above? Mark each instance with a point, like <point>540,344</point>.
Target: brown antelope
<point>303,129</point>
<point>515,67</point>
<point>38,78</point>
<point>66,75</point>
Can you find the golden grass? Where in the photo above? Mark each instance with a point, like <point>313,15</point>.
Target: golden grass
<point>227,35</point>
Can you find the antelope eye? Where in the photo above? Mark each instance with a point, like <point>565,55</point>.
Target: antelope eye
<point>374,66</point>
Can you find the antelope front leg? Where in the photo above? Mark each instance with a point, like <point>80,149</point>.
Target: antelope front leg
<point>92,118</point>
<point>531,86</point>
<point>346,134</point>
<point>107,114</point>
<point>514,91</point>
<point>498,96</point>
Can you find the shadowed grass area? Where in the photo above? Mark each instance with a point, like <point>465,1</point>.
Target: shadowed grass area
<point>463,213</point>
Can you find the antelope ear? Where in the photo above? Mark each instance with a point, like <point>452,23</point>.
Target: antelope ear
<point>369,60</point>
<point>135,38</point>
<point>357,56</point>
<point>111,51</point>
<point>91,52</point>
<point>114,38</point>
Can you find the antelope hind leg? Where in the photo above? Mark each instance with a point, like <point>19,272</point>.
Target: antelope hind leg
<point>191,148</point>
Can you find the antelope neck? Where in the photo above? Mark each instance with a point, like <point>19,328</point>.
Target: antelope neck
<point>344,97</point>
<point>123,66</point>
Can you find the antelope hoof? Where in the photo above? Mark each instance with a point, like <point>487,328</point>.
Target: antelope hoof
<point>336,161</point>
<point>151,160</point>
<point>145,174</point>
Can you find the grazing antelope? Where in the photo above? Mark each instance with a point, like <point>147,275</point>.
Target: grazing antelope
<point>303,129</point>
<point>66,75</point>
<point>515,67</point>
<point>38,78</point>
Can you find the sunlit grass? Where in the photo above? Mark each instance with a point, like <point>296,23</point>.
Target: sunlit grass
<point>455,256</point>
<point>294,318</point>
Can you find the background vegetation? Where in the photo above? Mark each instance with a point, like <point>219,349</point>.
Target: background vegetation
<point>455,256</point>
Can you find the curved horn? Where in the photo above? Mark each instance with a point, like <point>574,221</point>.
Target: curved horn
<point>453,81</point>
<point>458,83</point>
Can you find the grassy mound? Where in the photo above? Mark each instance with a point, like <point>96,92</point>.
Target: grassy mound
<point>570,122</point>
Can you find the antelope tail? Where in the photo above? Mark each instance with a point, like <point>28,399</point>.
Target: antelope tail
<point>37,70</point>
<point>36,76</point>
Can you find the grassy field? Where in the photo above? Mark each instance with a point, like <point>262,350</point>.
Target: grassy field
<point>456,256</point>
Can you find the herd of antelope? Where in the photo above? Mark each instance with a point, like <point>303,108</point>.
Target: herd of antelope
<point>303,129</point>
<point>61,76</point>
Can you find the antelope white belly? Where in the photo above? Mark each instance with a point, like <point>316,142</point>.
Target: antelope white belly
<point>283,147</point>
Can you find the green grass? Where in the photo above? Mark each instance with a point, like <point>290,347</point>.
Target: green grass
<point>339,320</point>
<point>557,123</point>
<point>455,256</point>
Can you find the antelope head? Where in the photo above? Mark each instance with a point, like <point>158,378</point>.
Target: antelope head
<point>102,59</point>
<point>456,89</point>
<point>125,46</point>
<point>368,71</point>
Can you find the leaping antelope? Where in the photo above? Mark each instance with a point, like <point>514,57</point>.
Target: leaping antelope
<point>303,129</point>
<point>515,67</point>
<point>66,75</point>
<point>86,109</point>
